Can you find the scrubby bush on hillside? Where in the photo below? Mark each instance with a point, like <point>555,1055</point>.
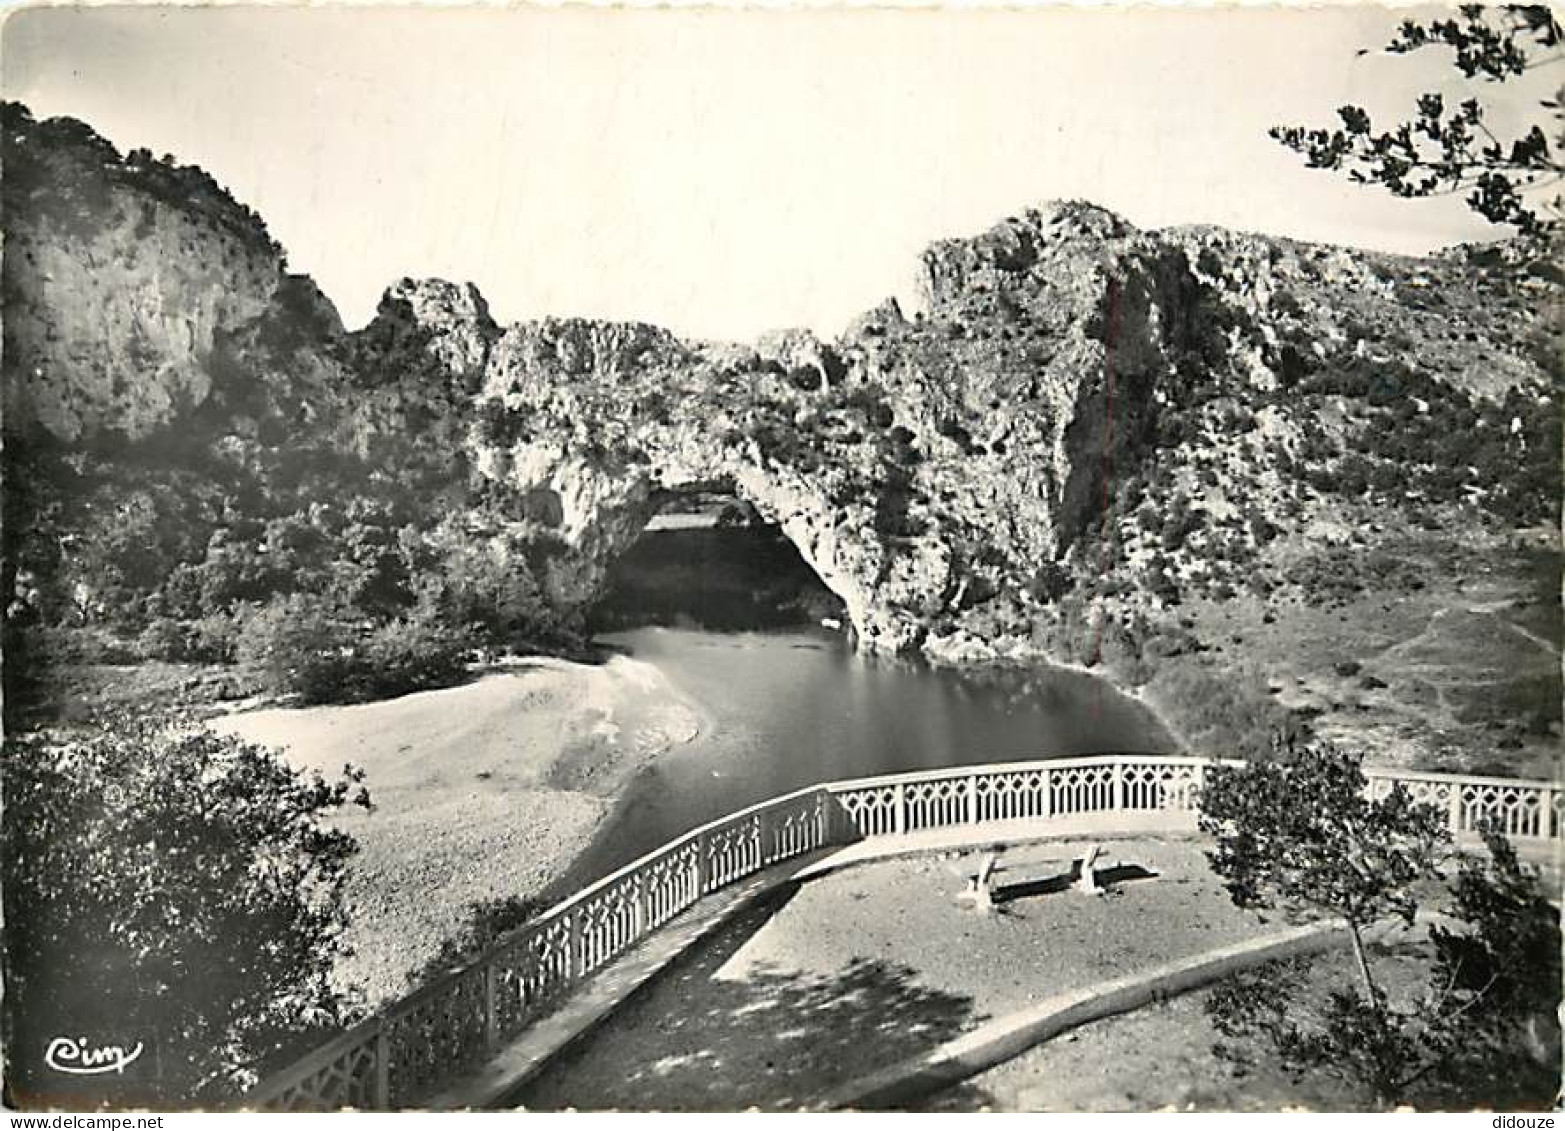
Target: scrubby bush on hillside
<point>408,654</point>
<point>298,644</point>
<point>305,645</point>
<point>1225,712</point>
<point>164,640</point>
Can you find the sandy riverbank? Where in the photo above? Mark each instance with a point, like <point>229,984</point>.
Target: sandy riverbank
<point>482,791</point>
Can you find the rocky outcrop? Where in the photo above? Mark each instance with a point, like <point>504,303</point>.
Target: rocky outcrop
<point>937,472</point>
<point>947,473</point>
<point>122,277</point>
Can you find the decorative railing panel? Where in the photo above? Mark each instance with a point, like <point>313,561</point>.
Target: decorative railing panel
<point>345,1072</point>
<point>418,1044</point>
<point>672,881</point>
<point>1518,808</point>
<point>1152,786</point>
<point>1011,795</point>
<point>795,827</point>
<point>439,1026</point>
<point>732,850</point>
<point>872,811</point>
<point>938,803</point>
<point>1082,789</point>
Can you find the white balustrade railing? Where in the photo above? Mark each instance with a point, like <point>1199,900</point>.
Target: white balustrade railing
<point>1529,810</point>
<point>413,1047</point>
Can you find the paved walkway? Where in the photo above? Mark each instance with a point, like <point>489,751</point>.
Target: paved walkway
<point>884,963</point>
<point>517,1063</point>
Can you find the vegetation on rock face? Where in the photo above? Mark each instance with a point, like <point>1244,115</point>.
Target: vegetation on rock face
<point>1302,834</point>
<point>306,475</point>
<point>171,887</point>
<point>1141,427</point>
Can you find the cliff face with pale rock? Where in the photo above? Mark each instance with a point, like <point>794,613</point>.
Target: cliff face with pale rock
<point>1076,401</point>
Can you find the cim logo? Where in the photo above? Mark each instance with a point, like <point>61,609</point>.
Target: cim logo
<point>80,1058</point>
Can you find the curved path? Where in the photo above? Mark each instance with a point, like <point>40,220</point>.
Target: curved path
<point>505,1079</point>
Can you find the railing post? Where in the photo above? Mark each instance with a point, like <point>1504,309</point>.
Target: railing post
<point>639,917</point>
<point>839,818</point>
<point>576,959</point>
<point>1454,803</point>
<point>703,866</point>
<point>1119,785</point>
<point>1046,787</point>
<point>900,809</point>
<point>972,799</point>
<point>765,824</point>
<point>491,1021</point>
<point>380,1090</point>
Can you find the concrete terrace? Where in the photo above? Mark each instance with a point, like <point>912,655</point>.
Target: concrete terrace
<point>877,942</point>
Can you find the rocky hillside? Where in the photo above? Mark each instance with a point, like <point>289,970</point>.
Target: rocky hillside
<point>1076,398</point>
<point>1086,443</point>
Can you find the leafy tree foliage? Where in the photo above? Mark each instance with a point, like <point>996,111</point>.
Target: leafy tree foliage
<point>1301,833</point>
<point>1498,972</point>
<point>308,646</point>
<point>488,921</point>
<point>1445,149</point>
<point>178,886</point>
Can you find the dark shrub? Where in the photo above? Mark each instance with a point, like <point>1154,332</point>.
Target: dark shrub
<point>303,645</point>
<point>805,378</point>
<point>164,640</point>
<point>410,654</point>
<point>174,884</point>
<point>298,644</point>
<point>488,920</point>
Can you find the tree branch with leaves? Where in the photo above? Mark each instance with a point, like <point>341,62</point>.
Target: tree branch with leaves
<point>176,888</point>
<point>1446,149</point>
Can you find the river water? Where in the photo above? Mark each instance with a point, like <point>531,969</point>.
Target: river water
<point>784,709</point>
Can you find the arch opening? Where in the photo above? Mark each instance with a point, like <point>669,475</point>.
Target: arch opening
<point>708,559</point>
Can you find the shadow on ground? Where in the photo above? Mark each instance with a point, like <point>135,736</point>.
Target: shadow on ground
<point>1107,878</point>
<point>768,1038</point>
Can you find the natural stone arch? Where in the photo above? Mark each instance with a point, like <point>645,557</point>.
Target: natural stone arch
<point>602,512</point>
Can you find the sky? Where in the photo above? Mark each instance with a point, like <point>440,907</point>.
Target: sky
<point>719,172</point>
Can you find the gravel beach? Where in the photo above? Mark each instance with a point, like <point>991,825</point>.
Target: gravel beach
<point>481,791</point>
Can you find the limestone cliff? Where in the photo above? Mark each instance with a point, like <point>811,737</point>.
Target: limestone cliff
<point>1075,401</point>
<point>122,278</point>
<point>941,474</point>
